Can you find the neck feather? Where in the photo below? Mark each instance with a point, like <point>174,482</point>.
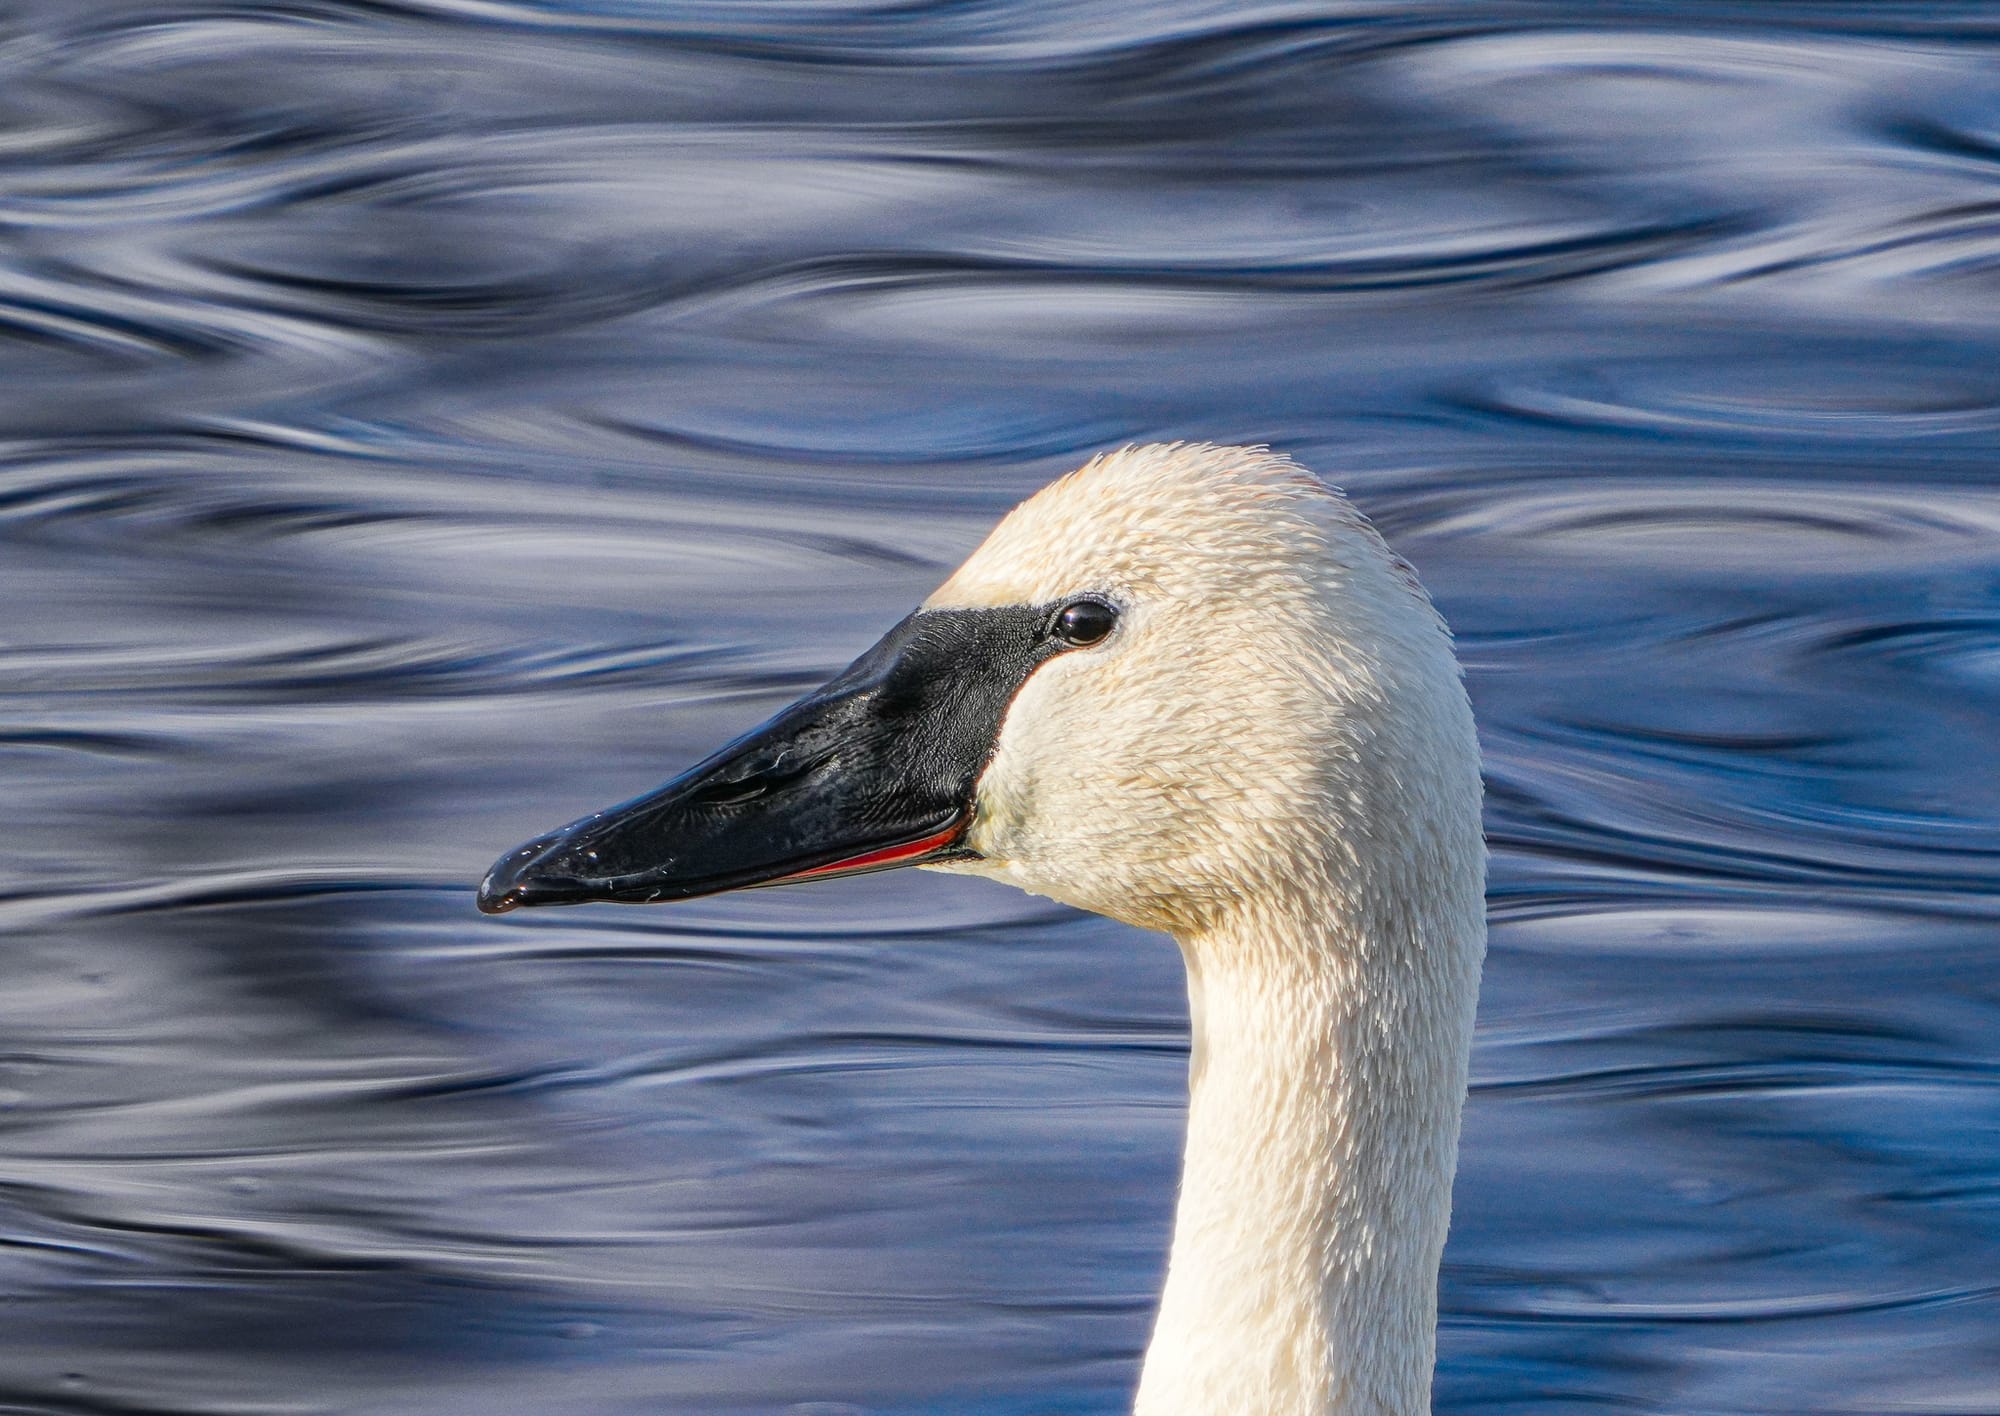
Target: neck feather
<point>1326,1082</point>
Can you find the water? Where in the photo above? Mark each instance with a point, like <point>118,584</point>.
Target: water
<point>425,420</point>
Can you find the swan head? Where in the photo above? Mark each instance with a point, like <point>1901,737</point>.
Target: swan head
<point>1164,688</point>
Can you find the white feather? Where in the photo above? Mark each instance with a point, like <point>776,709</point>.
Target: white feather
<point>1271,758</point>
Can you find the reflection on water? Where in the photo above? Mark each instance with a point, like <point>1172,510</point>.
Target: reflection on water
<point>426,419</point>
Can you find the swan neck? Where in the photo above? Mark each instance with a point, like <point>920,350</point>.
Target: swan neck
<point>1326,1082</point>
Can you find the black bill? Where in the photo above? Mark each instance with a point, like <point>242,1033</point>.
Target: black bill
<point>875,770</point>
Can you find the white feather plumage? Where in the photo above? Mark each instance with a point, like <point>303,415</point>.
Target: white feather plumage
<point>1272,759</point>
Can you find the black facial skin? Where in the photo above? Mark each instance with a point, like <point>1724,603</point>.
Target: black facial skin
<point>874,770</point>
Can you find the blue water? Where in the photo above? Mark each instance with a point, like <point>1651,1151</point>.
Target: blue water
<point>426,420</point>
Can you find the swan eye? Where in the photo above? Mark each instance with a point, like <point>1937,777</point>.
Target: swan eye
<point>1085,622</point>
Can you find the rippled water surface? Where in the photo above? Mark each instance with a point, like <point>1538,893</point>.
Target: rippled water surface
<point>425,420</point>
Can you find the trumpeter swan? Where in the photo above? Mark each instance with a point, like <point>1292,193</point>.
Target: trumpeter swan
<point>1188,687</point>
